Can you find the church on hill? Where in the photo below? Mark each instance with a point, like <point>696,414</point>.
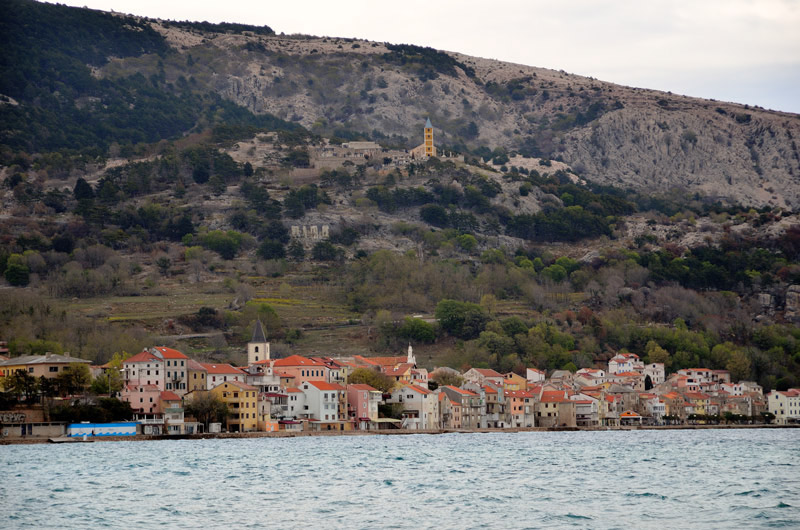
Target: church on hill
<point>426,149</point>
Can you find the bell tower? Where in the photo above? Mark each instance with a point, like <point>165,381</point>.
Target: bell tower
<point>430,149</point>
<point>258,347</point>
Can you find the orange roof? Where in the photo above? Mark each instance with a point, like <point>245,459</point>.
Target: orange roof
<point>460,390</point>
<point>168,395</point>
<point>321,385</point>
<point>296,360</point>
<point>553,396</point>
<point>293,390</point>
<point>489,390</point>
<point>418,389</point>
<point>488,372</point>
<point>399,370</point>
<point>362,386</point>
<point>629,374</point>
<point>142,357</point>
<point>222,369</point>
<point>629,414</point>
<point>169,353</point>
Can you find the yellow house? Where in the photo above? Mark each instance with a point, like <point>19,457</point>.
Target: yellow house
<point>514,382</point>
<point>242,401</point>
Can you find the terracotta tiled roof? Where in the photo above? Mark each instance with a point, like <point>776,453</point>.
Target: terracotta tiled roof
<point>296,360</point>
<point>222,369</point>
<point>488,372</point>
<point>322,385</point>
<point>361,386</point>
<point>169,353</point>
<point>168,395</point>
<point>142,357</point>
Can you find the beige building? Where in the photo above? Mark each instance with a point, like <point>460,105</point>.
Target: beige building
<point>785,405</point>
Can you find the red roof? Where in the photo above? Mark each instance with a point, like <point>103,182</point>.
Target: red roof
<point>460,390</point>
<point>222,369</point>
<point>488,372</point>
<point>142,357</point>
<point>553,396</point>
<point>321,385</point>
<point>168,395</point>
<point>296,360</point>
<point>293,390</point>
<point>418,389</point>
<point>361,386</point>
<point>169,353</point>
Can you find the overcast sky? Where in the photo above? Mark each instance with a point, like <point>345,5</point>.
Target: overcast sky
<point>747,51</point>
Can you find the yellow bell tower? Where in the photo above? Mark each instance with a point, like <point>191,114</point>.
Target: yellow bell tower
<point>430,150</point>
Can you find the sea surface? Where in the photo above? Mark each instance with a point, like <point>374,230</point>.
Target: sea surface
<point>611,479</point>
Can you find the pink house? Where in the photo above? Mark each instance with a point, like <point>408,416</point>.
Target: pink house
<point>362,404</point>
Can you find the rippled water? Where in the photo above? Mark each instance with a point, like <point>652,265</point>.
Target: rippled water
<point>634,479</point>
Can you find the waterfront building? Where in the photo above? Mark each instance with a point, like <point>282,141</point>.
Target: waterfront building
<point>555,408</point>
<point>420,406</point>
<point>242,401</point>
<point>785,405</point>
<point>321,404</point>
<point>469,403</point>
<point>362,402</point>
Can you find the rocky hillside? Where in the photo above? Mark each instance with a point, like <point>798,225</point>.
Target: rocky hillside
<point>623,136</point>
<point>627,137</point>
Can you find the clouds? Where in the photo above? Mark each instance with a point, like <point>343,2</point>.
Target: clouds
<point>685,46</point>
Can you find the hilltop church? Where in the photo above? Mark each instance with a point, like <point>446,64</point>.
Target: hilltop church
<point>426,149</point>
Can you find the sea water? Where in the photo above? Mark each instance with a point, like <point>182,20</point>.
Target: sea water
<point>748,478</point>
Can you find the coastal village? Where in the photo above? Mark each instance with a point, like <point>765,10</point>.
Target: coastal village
<point>301,394</point>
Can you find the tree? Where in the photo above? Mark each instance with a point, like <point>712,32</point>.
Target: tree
<point>461,319</point>
<point>21,384</point>
<point>296,250</point>
<point>373,378</point>
<point>270,249</point>
<point>416,329</point>
<point>17,272</point>
<point>447,378</point>
<point>207,408</point>
<point>74,379</point>
<point>163,263</point>
<point>325,251</point>
<point>435,215</point>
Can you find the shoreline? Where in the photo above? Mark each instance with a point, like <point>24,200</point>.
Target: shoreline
<point>395,432</point>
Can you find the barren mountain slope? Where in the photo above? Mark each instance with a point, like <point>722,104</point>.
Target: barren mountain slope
<point>624,136</point>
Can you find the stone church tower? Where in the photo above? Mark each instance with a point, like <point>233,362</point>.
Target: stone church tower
<point>258,347</point>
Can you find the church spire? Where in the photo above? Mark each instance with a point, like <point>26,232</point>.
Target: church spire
<point>258,333</point>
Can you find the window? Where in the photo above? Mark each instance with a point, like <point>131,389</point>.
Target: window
<point>54,368</point>
<point>30,370</point>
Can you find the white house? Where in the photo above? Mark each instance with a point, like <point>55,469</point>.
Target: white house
<point>420,406</point>
<point>321,400</point>
<point>222,373</point>
<point>625,362</point>
<point>534,375</point>
<point>785,405</point>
